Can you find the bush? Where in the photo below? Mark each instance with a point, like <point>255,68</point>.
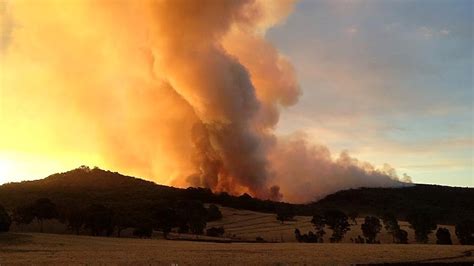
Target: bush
<point>423,224</point>
<point>5,220</point>
<point>143,231</point>
<point>285,213</point>
<point>370,228</point>
<point>338,222</point>
<point>443,237</point>
<point>465,232</point>
<point>215,231</point>
<point>213,213</point>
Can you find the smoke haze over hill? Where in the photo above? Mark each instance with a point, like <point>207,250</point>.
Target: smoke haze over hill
<point>180,92</point>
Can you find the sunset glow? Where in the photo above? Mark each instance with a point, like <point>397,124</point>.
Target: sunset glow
<point>226,98</point>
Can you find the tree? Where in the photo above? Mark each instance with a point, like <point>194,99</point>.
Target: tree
<point>353,216</point>
<point>42,209</point>
<point>213,213</point>
<point>338,223</point>
<point>123,219</point>
<point>144,230</point>
<point>5,220</point>
<point>306,238</point>
<point>423,224</point>
<point>391,225</point>
<point>191,215</point>
<point>319,222</point>
<point>215,231</point>
<point>443,237</point>
<point>164,219</point>
<point>370,228</point>
<point>465,232</point>
<point>23,214</point>
<point>401,237</point>
<point>71,214</point>
<point>298,235</point>
<point>285,213</point>
<point>98,219</point>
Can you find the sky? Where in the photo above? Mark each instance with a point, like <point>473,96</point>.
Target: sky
<point>389,81</point>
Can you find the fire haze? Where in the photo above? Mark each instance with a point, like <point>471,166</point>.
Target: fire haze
<point>180,92</point>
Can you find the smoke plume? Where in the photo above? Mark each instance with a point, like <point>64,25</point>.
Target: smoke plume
<point>181,92</point>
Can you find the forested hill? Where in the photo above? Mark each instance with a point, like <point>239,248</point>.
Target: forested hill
<point>86,186</point>
<point>446,204</point>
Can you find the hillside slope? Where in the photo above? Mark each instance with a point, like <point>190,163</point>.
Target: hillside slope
<point>84,185</point>
<point>446,204</point>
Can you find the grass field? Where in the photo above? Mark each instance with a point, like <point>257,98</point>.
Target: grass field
<point>50,249</point>
<point>35,248</point>
<point>248,225</point>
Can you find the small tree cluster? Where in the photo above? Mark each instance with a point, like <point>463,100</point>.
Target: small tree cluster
<point>310,237</point>
<point>370,228</point>
<point>100,220</point>
<point>391,225</point>
<point>319,223</point>
<point>337,221</point>
<point>215,231</point>
<point>423,224</point>
<point>465,232</point>
<point>5,220</point>
<point>42,209</point>
<point>443,237</point>
<point>285,213</point>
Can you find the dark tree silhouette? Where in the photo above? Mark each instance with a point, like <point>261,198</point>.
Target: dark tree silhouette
<point>215,231</point>
<point>144,230</point>
<point>443,237</point>
<point>5,220</point>
<point>164,219</point>
<point>72,215</point>
<point>191,215</point>
<point>465,232</point>
<point>99,219</point>
<point>370,228</point>
<point>42,209</point>
<point>391,225</point>
<point>306,238</point>
<point>423,224</point>
<point>285,213</point>
<point>401,237</point>
<point>213,213</point>
<point>353,216</point>
<point>23,214</point>
<point>123,219</point>
<point>319,222</point>
<point>298,235</point>
<point>337,222</point>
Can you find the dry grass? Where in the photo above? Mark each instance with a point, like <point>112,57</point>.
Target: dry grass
<point>249,225</point>
<point>35,248</point>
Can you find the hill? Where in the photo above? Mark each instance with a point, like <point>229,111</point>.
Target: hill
<point>84,185</point>
<point>447,204</point>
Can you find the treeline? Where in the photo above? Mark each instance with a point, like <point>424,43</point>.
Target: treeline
<point>86,185</point>
<point>339,223</point>
<point>448,205</point>
<point>100,220</point>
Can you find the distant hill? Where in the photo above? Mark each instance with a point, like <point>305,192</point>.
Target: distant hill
<point>85,186</point>
<point>446,204</point>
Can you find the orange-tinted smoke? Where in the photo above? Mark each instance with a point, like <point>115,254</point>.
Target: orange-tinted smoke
<point>181,92</point>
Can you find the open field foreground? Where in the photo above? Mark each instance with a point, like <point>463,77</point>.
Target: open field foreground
<point>35,248</point>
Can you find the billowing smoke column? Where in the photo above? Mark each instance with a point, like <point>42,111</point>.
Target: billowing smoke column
<point>183,92</point>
